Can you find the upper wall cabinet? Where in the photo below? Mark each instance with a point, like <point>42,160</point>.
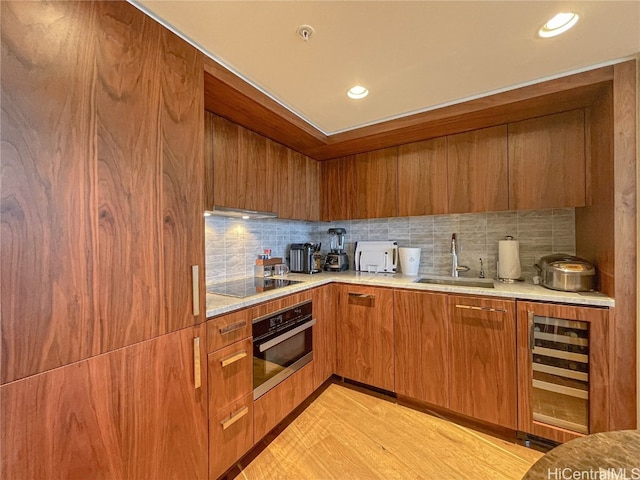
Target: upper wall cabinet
<point>101,182</point>
<point>242,177</point>
<point>338,190</point>
<point>422,178</point>
<point>297,185</point>
<point>477,171</point>
<point>377,183</point>
<point>547,167</point>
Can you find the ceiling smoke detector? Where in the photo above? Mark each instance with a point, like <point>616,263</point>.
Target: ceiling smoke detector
<point>305,32</point>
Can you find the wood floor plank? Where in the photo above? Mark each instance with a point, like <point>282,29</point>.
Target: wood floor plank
<point>348,434</point>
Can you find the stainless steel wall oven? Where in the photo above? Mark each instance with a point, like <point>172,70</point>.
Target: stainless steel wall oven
<point>282,344</point>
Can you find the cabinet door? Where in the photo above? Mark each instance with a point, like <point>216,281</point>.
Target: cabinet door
<point>421,358</point>
<point>377,184</point>
<point>547,167</point>
<point>132,413</point>
<point>563,370</point>
<point>422,178</point>
<point>299,199</point>
<point>338,187</point>
<point>324,334</point>
<point>230,375</point>
<point>365,335</point>
<point>477,171</point>
<point>482,359</point>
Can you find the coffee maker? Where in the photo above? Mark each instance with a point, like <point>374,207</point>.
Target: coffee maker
<point>337,260</point>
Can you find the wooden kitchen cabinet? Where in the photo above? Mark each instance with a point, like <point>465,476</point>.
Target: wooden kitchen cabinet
<point>422,178</point>
<point>243,174</point>
<point>338,189</point>
<point>324,334</point>
<point>477,171</point>
<point>365,335</point>
<point>377,184</point>
<point>547,167</point>
<point>230,374</point>
<point>298,187</point>
<point>563,370</point>
<point>132,413</point>
<point>482,359</point>
<point>421,346</point>
<point>101,207</point>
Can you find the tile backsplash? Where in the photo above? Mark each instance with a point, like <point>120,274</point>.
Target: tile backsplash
<point>233,245</point>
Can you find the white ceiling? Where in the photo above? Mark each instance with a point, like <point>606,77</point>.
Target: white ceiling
<point>412,56</point>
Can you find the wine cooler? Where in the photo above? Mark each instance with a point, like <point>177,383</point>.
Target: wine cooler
<point>562,363</point>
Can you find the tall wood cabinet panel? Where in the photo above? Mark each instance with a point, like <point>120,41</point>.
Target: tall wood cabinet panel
<point>131,413</point>
<point>420,322</point>
<point>338,187</point>
<point>300,195</point>
<point>324,334</point>
<point>365,335</point>
<point>477,171</point>
<point>101,147</point>
<point>482,359</point>
<point>377,184</point>
<point>422,178</point>
<point>547,167</point>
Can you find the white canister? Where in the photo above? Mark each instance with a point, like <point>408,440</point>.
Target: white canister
<point>509,259</point>
<point>409,260</point>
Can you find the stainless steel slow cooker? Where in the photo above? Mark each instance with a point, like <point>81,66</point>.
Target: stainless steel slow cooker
<point>567,273</point>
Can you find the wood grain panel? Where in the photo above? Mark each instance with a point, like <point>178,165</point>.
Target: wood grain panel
<point>129,175</point>
<point>228,329</point>
<point>482,360</point>
<point>595,222</point>
<point>547,167</point>
<point>338,189</point>
<point>47,188</point>
<point>422,178</point>
<point>271,408</point>
<point>181,100</point>
<point>312,194</point>
<point>278,160</point>
<point>226,173</point>
<point>256,179</point>
<point>365,335</point>
<point>477,171</point>
<point>230,381</point>
<point>324,334</point>
<point>279,304</point>
<point>377,180</point>
<point>599,386</point>
<point>228,445</point>
<point>131,413</point>
<point>420,323</point>
<point>625,155</point>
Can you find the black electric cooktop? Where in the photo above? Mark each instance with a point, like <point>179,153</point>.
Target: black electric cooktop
<point>246,287</point>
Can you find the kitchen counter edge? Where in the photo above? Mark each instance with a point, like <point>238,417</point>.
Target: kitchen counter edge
<point>220,304</point>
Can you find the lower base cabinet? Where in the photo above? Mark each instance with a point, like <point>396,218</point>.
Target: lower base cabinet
<point>482,359</point>
<point>271,408</point>
<point>231,436</point>
<point>134,413</point>
<point>324,335</point>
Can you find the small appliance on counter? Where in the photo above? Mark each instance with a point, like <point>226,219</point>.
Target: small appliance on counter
<point>337,260</point>
<point>305,257</point>
<point>376,257</point>
<point>567,273</point>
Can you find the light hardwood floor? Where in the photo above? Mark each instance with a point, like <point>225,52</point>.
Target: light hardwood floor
<point>346,434</point>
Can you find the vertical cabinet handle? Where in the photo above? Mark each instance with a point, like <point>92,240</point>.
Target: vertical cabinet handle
<point>197,373</point>
<point>195,286</point>
<point>532,340</point>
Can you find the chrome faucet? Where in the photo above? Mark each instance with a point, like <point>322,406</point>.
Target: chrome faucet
<point>455,268</point>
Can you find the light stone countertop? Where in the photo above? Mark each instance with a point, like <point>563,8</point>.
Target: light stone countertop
<point>220,304</point>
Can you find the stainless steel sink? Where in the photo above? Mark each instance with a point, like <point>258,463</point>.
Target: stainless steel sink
<point>460,282</point>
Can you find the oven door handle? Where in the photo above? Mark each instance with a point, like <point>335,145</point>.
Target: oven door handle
<point>285,336</point>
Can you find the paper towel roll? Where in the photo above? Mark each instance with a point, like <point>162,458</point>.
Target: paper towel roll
<point>509,259</point>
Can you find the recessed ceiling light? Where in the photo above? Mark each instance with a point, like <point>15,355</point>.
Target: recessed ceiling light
<point>357,92</point>
<point>558,24</point>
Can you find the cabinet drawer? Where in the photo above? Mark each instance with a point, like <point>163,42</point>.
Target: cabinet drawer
<point>230,374</point>
<point>230,435</point>
<point>225,330</point>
